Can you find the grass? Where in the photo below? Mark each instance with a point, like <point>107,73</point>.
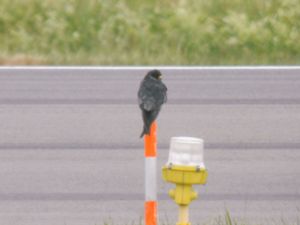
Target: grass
<point>132,32</point>
<point>225,219</point>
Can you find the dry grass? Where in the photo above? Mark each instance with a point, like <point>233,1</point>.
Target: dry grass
<point>20,59</point>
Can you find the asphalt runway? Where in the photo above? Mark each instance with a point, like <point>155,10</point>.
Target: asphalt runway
<point>70,152</point>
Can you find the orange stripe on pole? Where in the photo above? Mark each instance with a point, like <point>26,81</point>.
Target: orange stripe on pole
<point>150,212</point>
<point>150,141</point>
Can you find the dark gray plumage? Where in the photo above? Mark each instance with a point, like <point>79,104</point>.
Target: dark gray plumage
<point>151,95</point>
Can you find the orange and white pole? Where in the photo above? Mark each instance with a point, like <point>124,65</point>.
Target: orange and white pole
<point>150,177</point>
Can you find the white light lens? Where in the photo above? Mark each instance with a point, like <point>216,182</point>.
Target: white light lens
<point>187,151</point>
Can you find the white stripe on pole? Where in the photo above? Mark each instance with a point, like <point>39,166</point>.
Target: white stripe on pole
<point>150,179</point>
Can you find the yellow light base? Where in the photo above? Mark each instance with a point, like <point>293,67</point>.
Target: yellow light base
<point>184,174</point>
<point>184,177</point>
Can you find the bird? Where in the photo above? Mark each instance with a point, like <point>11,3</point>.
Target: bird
<point>152,94</point>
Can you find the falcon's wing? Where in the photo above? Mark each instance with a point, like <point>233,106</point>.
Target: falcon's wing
<point>145,95</point>
<point>160,93</point>
<point>152,94</point>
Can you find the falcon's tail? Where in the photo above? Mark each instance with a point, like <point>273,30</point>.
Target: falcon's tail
<point>146,130</point>
<point>148,118</point>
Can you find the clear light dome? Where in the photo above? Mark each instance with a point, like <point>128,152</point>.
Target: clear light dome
<point>186,151</point>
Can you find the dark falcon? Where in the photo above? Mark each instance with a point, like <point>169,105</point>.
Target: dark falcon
<point>151,95</point>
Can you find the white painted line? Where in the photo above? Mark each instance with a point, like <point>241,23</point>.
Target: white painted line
<point>255,68</point>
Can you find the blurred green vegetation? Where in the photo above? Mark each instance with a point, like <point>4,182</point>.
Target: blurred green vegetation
<point>133,32</point>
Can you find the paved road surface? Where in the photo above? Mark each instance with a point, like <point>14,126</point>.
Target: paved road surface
<point>70,152</point>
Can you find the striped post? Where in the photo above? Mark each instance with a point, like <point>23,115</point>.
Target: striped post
<point>150,177</point>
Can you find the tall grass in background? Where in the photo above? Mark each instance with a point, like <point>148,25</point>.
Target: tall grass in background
<point>133,32</point>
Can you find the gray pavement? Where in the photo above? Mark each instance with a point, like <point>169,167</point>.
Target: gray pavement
<point>70,152</point>
<point>84,186</point>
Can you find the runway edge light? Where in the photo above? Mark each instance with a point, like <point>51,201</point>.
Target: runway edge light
<point>185,167</point>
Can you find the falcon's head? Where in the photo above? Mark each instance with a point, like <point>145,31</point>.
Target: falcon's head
<point>156,74</point>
